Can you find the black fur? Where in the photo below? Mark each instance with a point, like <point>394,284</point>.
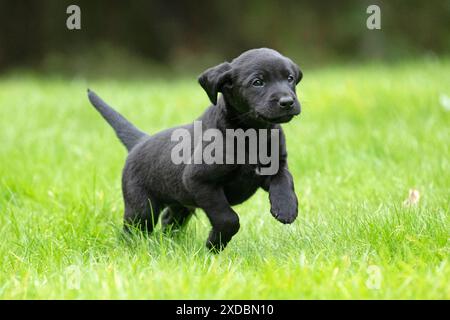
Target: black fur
<point>152,183</point>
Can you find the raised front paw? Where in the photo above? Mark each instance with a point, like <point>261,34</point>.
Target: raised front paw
<point>284,207</point>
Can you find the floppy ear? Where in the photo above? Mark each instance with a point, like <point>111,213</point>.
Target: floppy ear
<point>298,73</point>
<point>214,78</point>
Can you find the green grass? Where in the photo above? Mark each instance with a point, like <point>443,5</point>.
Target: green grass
<point>367,135</point>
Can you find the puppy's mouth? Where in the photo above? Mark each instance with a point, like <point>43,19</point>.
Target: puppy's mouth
<point>280,119</point>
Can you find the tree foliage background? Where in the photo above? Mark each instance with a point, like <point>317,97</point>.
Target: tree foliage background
<point>188,33</point>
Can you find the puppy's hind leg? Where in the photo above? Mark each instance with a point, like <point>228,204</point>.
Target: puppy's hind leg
<point>141,210</point>
<point>175,217</point>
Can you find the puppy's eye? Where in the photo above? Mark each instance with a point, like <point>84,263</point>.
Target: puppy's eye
<point>257,83</point>
<point>290,78</point>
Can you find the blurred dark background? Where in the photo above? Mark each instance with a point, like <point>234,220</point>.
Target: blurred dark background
<point>184,35</point>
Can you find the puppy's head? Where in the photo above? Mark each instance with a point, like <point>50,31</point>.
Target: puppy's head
<point>259,85</point>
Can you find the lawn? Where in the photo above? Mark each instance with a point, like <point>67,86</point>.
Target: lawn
<point>367,135</point>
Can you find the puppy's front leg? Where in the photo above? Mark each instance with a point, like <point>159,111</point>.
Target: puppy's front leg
<point>201,181</point>
<point>224,220</point>
<point>283,200</point>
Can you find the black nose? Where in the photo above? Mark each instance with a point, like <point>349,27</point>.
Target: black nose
<point>286,102</point>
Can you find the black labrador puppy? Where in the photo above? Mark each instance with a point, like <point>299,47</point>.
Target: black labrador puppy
<point>258,91</point>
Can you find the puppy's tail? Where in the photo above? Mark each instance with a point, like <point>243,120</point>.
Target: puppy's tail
<point>125,131</point>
